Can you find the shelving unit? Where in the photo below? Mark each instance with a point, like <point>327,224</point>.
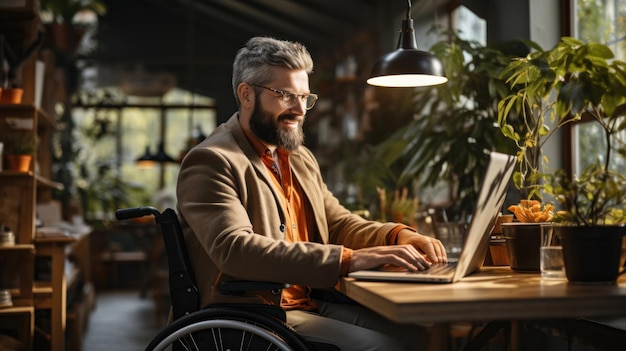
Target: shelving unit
<point>66,254</point>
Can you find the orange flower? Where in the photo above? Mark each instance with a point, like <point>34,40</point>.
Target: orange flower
<point>530,211</point>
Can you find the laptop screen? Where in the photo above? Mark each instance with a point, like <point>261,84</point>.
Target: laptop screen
<point>488,206</point>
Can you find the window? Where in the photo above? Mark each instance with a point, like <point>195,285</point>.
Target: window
<point>113,131</point>
<point>601,21</point>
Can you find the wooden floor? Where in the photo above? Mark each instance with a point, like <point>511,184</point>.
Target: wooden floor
<point>121,321</point>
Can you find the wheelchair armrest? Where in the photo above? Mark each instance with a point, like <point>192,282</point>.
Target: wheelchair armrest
<point>239,286</point>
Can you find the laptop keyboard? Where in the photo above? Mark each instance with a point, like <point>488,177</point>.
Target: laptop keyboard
<point>440,268</point>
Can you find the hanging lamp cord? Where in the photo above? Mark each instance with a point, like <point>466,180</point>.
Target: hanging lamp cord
<point>408,10</point>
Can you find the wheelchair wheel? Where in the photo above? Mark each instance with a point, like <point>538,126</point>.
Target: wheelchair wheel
<point>223,328</point>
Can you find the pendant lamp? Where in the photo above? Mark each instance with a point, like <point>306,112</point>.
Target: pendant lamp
<point>161,156</point>
<point>407,66</point>
<point>146,160</point>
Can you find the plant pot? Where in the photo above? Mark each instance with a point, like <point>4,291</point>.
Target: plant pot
<point>592,254</point>
<point>523,241</point>
<point>19,163</point>
<point>12,96</point>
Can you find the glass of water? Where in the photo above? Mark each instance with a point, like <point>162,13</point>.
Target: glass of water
<point>551,255</point>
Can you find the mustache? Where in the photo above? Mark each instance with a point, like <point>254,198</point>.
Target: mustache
<point>290,117</point>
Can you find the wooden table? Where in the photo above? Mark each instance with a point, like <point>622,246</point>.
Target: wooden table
<point>492,294</point>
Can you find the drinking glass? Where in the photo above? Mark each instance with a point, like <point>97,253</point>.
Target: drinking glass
<point>551,254</point>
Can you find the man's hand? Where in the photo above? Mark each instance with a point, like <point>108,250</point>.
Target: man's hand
<point>405,256</point>
<point>433,248</point>
<point>413,252</point>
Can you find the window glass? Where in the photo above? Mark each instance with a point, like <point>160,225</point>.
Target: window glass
<point>602,21</point>
<point>111,139</point>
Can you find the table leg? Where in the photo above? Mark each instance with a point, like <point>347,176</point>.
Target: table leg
<point>489,331</point>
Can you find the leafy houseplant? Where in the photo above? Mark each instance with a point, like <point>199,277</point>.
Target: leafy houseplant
<point>19,143</point>
<point>64,11</point>
<point>571,82</point>
<point>66,29</point>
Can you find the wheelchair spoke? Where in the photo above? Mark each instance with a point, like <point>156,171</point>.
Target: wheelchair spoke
<point>189,343</point>
<point>225,335</point>
<point>217,339</point>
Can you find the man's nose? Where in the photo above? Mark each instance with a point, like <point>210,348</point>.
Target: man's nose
<point>299,107</point>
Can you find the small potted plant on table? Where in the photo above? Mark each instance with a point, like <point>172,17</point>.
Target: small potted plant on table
<point>523,236</point>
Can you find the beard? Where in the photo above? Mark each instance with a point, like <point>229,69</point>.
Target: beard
<point>264,127</point>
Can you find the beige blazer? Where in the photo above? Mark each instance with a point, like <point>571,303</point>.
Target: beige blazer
<point>231,218</point>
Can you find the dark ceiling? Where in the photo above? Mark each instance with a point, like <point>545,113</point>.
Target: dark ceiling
<point>197,39</point>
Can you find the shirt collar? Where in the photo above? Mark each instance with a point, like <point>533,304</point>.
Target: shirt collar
<point>260,147</point>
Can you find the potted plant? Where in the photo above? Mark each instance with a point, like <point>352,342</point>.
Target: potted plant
<point>591,222</point>
<point>571,82</point>
<point>64,28</point>
<point>523,237</point>
<point>11,62</point>
<point>20,149</point>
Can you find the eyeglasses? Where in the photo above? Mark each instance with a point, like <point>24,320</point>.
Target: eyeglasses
<point>290,100</point>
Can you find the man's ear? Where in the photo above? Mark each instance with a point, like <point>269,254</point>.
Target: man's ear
<point>245,94</point>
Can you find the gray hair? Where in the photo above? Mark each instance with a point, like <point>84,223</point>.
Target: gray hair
<point>254,61</point>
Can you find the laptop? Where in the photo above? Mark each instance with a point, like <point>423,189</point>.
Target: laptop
<point>490,200</point>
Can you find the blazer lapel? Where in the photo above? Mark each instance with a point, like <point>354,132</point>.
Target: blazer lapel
<point>255,160</point>
<point>311,191</point>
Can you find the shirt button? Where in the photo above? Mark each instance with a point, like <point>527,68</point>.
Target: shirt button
<point>293,226</point>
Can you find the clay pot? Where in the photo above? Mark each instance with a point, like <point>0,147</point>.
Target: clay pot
<point>11,96</point>
<point>523,241</point>
<point>19,163</point>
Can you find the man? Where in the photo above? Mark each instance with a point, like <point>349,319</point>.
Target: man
<point>253,206</point>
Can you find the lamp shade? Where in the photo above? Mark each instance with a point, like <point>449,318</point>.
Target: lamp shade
<point>161,156</point>
<point>149,160</point>
<point>146,160</point>
<point>407,66</point>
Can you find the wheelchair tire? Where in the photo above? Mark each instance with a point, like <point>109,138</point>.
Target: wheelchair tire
<point>224,328</point>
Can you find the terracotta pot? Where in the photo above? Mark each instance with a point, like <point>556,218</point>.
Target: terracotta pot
<point>12,96</point>
<point>592,254</point>
<point>19,163</point>
<point>523,241</point>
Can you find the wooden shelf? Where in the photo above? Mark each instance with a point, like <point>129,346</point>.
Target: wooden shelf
<point>42,288</point>
<point>17,247</point>
<point>26,12</point>
<point>42,182</point>
<point>28,111</point>
<point>17,309</point>
<point>23,193</point>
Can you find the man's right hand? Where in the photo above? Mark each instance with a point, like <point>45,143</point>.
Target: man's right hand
<point>405,256</point>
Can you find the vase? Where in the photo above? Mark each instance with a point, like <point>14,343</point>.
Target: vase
<point>592,254</point>
<point>523,241</point>
<point>19,163</point>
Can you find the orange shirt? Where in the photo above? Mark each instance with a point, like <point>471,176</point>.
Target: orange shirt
<point>297,227</point>
<point>298,210</point>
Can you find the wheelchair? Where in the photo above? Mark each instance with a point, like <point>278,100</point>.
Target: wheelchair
<point>215,327</point>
